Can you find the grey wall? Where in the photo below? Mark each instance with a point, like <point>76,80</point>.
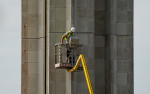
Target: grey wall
<point>105,27</point>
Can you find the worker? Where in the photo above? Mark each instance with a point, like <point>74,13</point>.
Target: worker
<point>67,37</point>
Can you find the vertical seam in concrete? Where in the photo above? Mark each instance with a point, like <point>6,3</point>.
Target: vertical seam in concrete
<point>45,41</point>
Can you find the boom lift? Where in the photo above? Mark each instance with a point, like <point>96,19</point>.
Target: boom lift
<point>76,56</point>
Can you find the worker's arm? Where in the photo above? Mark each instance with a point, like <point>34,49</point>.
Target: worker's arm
<point>63,38</point>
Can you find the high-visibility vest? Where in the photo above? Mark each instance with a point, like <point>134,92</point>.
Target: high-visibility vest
<point>69,35</point>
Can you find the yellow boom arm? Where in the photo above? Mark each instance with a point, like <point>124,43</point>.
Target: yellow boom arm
<point>81,58</point>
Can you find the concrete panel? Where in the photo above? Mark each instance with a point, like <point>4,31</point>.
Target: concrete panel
<point>130,5</point>
<point>100,53</point>
<point>60,75</point>
<point>32,32</point>
<point>99,41</point>
<point>61,11</point>
<point>24,7</point>
<point>32,44</point>
<point>99,65</point>
<point>99,89</point>
<point>33,56</point>
<point>130,41</point>
<point>90,3</point>
<point>33,81</point>
<point>99,78</point>
<point>82,88</point>
<point>123,66</point>
<point>33,68</point>
<point>52,3</point>
<point>60,88</point>
<point>130,53</point>
<point>100,4</point>
<point>32,91</point>
<point>33,7</point>
<point>82,26</point>
<point>122,5</point>
<point>130,17</point>
<point>121,17</point>
<point>121,41</point>
<point>121,78</point>
<point>82,3</point>
<point>60,3</point>
<point>32,19</point>
<point>60,26</point>
<point>53,26</point>
<point>121,53</point>
<point>52,88</point>
<point>82,13</point>
<point>122,90</point>
<point>100,16</point>
<point>52,14</point>
<point>99,29</point>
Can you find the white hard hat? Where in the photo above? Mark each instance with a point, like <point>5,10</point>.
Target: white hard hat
<point>72,29</point>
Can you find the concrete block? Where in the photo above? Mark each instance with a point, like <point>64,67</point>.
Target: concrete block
<point>121,78</point>
<point>24,7</point>
<point>82,88</point>
<point>32,81</point>
<point>90,26</point>
<point>32,91</point>
<point>121,53</point>
<point>61,11</point>
<point>90,63</point>
<point>52,88</point>
<point>32,19</point>
<point>111,28</point>
<point>82,26</point>
<point>90,3</point>
<point>121,41</point>
<point>99,41</point>
<point>129,41</point>
<point>100,65</point>
<point>52,14</point>
<point>53,26</point>
<point>32,32</point>
<point>122,90</point>
<point>90,39</point>
<point>130,17</point>
<point>90,14</point>
<point>130,53</point>
<point>123,66</point>
<point>100,4</point>
<point>122,29</point>
<point>121,17</point>
<point>60,3</point>
<point>60,26</point>
<point>100,89</point>
<point>32,45</point>
<point>60,88</point>
<point>130,29</point>
<point>52,3</point>
<point>32,7</point>
<point>24,21</point>
<point>100,16</point>
<point>33,68</point>
<point>82,3</point>
<point>80,77</point>
<point>99,53</point>
<point>100,78</point>
<point>52,75</point>
<point>130,5</point>
<point>60,75</point>
<point>33,56</point>
<point>100,29</point>
<point>121,5</point>
<point>82,13</point>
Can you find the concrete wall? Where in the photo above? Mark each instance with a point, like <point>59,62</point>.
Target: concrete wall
<point>33,47</point>
<point>105,27</point>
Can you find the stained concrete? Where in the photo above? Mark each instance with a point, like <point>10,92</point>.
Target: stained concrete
<point>105,27</point>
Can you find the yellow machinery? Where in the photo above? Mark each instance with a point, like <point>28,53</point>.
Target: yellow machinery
<point>72,65</point>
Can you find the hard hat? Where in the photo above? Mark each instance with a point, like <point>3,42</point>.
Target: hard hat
<point>72,29</point>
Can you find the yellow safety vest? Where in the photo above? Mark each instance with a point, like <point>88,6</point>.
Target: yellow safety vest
<point>68,35</point>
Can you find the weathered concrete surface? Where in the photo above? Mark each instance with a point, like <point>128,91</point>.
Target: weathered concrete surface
<point>105,27</point>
